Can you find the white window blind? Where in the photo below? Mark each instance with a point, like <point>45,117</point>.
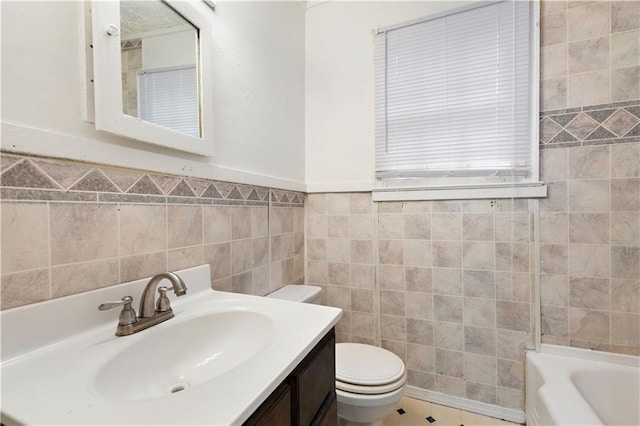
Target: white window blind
<point>453,97</point>
<point>169,98</point>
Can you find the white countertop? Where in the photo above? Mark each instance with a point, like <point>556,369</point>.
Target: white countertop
<point>52,351</point>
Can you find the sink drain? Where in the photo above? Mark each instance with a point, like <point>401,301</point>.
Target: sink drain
<point>179,387</point>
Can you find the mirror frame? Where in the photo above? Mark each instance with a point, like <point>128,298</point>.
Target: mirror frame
<point>107,71</point>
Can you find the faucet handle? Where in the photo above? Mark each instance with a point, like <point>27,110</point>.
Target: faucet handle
<point>128,314</point>
<point>163,304</point>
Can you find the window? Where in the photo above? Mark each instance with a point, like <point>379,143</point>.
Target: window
<point>456,102</point>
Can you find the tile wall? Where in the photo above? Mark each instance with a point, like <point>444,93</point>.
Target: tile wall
<point>456,278</point>
<point>590,158</point>
<point>455,283</point>
<point>589,53</point>
<point>70,227</point>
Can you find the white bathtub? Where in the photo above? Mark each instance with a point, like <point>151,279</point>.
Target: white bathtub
<point>569,386</point>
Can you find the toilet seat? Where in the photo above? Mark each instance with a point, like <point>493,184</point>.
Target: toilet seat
<point>367,369</point>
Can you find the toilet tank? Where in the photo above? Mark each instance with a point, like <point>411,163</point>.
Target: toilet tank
<point>298,293</point>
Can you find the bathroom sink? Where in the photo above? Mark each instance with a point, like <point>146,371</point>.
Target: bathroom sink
<point>214,362</point>
<point>184,355</point>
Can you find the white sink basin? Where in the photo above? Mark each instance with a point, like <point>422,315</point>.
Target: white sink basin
<point>184,355</point>
<point>215,362</point>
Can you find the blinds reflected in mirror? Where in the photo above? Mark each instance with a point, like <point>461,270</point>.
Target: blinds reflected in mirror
<point>169,98</point>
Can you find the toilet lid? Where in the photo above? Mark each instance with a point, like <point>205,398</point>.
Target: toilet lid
<point>367,365</point>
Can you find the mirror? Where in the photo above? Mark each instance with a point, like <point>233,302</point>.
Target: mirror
<point>152,72</point>
<point>159,66</point>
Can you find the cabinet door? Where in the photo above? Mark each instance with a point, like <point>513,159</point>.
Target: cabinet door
<point>314,381</point>
<point>275,411</point>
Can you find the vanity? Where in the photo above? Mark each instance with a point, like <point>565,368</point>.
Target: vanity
<point>224,358</point>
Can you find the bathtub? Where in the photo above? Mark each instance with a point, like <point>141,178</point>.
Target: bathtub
<point>570,386</point>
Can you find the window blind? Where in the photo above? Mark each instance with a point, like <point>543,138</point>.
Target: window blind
<point>452,95</point>
<point>169,98</point>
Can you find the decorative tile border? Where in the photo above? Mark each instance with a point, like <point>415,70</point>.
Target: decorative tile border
<point>591,125</point>
<point>31,178</point>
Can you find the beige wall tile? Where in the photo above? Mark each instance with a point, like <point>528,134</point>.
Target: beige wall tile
<point>392,302</point>
<point>447,226</point>
<point>393,327</point>
<point>589,228</point>
<point>417,253</point>
<point>338,274</point>
<point>240,223</point>
<point>316,204</point>
<point>185,258</point>
<point>554,289</point>
<point>339,250</point>
<point>625,194</point>
<point>480,312</point>
<point>625,49</point>
<point>625,329</point>
<point>418,305</point>
<point>447,254</point>
<point>625,295</point>
<point>260,221</point>
<point>589,325</point>
<point>449,363</point>
<point>588,21</point>
<point>480,369</point>
<point>449,385</point>
<point>589,293</point>
<point>338,203</point>
<point>417,279</point>
<point>588,55</point>
<point>553,93</point>
<point>480,340</point>
<point>553,29</point>
<point>512,344</point>
<point>392,277</point>
<point>625,160</point>
<point>419,331</point>
<point>625,84</point>
<point>588,195</point>
<point>23,288</point>
<point>447,281</point>
<point>185,226</point>
<point>361,227</point>
<point>447,335</point>
<point>556,199</point>
<point>589,162</point>
<point>25,236</point>
<point>555,323</point>
<point>591,261</point>
<point>554,227</point>
<point>143,228</point>
<point>447,308</point>
<point>478,255</point>
<point>416,226</point>
<point>588,88</point>
<point>553,61</point>
<point>625,15</point>
<point>83,232</point>
<point>553,164</point>
<point>218,256</point>
<point>217,224</point>
<point>361,203</point>
<point>625,228</point>
<point>625,262</point>
<point>338,226</point>
<point>142,265</point>
<point>363,276</point>
<point>82,277</point>
<point>511,374</point>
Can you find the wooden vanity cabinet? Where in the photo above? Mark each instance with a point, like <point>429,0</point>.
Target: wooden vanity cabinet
<point>308,395</point>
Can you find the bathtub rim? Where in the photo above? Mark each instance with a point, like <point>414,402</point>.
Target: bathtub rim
<point>563,388</point>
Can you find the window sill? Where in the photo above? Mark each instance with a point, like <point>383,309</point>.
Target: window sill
<point>528,190</point>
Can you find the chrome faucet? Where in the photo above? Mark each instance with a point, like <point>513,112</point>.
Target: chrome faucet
<point>152,312</point>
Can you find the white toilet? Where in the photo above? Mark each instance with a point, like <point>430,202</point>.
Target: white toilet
<point>369,380</point>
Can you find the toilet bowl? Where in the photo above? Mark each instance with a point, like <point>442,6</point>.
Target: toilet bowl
<point>369,380</point>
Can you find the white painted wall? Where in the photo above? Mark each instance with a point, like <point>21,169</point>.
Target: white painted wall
<point>340,87</point>
<point>259,95</point>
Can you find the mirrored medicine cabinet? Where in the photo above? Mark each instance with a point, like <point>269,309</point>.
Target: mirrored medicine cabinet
<point>152,72</point>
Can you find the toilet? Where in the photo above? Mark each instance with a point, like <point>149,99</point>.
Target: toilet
<point>369,380</point>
